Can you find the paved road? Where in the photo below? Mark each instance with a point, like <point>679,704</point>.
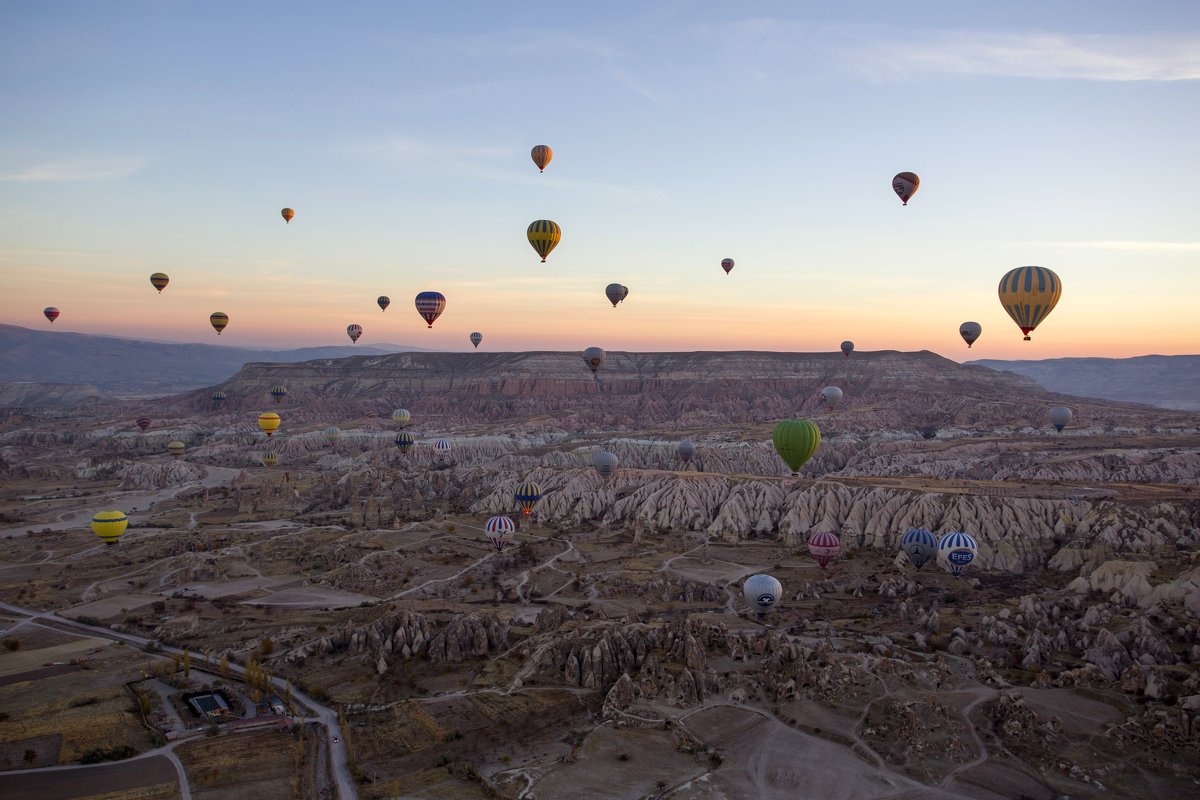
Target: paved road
<point>83,780</point>
<point>324,715</point>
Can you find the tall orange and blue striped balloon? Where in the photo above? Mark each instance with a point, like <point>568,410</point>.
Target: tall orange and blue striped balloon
<point>1029,294</point>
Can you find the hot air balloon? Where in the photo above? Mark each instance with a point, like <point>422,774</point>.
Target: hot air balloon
<point>970,331</point>
<point>269,422</point>
<point>143,422</point>
<point>905,185</point>
<point>217,398</point>
<point>796,440</point>
<point>476,338</point>
<point>354,331</point>
<point>1029,294</point>
<point>430,305</point>
<point>332,434</point>
<point>824,547</point>
<point>543,235</point>
<point>270,458</point>
<point>401,417</point>
<point>594,358</point>
<point>384,301</point>
<point>109,525</point>
<point>847,348</point>
<point>956,551</point>
<point>605,463</point>
<point>500,531</point>
<point>159,280</point>
<point>442,447</point>
<point>1060,417</point>
<point>218,320</point>
<point>405,441</point>
<point>51,313</point>
<point>762,592</point>
<point>686,451</point>
<point>541,155</point>
<point>919,545</point>
<point>278,392</point>
<point>616,293</point>
<point>727,264</point>
<point>287,215</point>
<point>176,449</point>
<point>831,396</point>
<point>527,495</point>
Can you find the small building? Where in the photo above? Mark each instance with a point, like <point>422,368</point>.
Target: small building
<point>276,705</point>
<point>210,705</point>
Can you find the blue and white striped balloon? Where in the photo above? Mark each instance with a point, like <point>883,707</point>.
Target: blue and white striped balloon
<point>956,551</point>
<point>919,545</point>
<point>441,447</point>
<point>500,530</point>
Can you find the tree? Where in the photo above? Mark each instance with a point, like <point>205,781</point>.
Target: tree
<point>30,757</point>
<point>224,665</point>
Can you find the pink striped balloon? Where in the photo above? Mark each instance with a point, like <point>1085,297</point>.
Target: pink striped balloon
<point>824,547</point>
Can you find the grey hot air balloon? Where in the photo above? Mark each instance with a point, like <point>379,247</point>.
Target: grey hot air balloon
<point>476,338</point>
<point>594,358</point>
<point>762,592</point>
<point>970,332</point>
<point>605,463</point>
<point>1060,417</point>
<point>401,417</point>
<point>831,396</point>
<point>847,348</point>
<point>686,451</point>
<point>616,293</point>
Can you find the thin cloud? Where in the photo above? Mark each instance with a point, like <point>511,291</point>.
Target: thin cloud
<point>78,169</point>
<point>1122,245</point>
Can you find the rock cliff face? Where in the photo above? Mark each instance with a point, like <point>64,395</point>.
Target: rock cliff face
<point>48,395</point>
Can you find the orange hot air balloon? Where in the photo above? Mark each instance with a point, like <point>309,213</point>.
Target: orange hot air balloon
<point>541,155</point>
<point>218,319</point>
<point>287,215</point>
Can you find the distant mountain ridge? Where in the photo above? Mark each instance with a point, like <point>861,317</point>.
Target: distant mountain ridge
<point>134,366</point>
<point>1163,381</point>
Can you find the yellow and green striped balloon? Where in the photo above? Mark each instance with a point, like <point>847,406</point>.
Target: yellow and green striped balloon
<point>159,280</point>
<point>109,525</point>
<point>796,440</point>
<point>544,235</point>
<point>1029,294</point>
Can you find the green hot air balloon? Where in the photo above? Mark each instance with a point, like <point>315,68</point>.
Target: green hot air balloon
<point>796,440</point>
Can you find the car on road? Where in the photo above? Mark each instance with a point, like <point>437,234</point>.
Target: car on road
<point>336,740</point>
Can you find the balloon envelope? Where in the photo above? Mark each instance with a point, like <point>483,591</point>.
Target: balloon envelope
<point>605,463</point>
<point>527,495</point>
<point>762,592</point>
<point>442,446</point>
<point>956,551</point>
<point>831,396</point>
<point>544,235</point>
<point>109,525</point>
<point>401,417</point>
<point>218,319</point>
<point>143,422</point>
<point>176,450</point>
<point>384,301</point>
<point>218,398</point>
<point>405,441</point>
<point>332,434</point>
<point>270,458</point>
<point>615,293</point>
<point>430,306</point>
<point>796,440</point>
<point>500,530</point>
<point>919,545</point>
<point>287,214</point>
<point>905,185</point>
<point>541,155</point>
<point>686,451</point>
<point>970,331</point>
<point>476,338</point>
<point>278,392</point>
<point>727,264</point>
<point>1060,417</point>
<point>594,358</point>
<point>354,331</point>
<point>159,280</point>
<point>269,422</point>
<point>847,348</point>
<point>824,547</point>
<point>51,313</point>
<point>1028,295</point>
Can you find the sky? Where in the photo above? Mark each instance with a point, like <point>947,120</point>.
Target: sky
<point>166,136</point>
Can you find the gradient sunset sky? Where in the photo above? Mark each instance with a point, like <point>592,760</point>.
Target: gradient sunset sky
<point>166,136</point>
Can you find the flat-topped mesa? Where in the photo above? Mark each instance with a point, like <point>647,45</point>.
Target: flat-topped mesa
<point>635,390</point>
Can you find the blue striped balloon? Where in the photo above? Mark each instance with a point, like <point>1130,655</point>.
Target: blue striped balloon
<point>919,545</point>
<point>500,530</point>
<point>956,551</point>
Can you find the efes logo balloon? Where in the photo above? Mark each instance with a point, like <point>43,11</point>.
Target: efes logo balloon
<point>766,600</point>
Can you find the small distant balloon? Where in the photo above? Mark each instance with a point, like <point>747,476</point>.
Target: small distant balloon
<point>476,338</point>
<point>541,155</point>
<point>217,398</point>
<point>176,450</point>
<point>905,185</point>
<point>605,463</point>
<point>824,547</point>
<point>762,592</point>
<point>401,417</point>
<point>500,531</point>
<point>831,396</point>
<point>686,451</point>
<point>51,313</point>
<point>268,421</point>
<point>1060,417</point>
<point>727,265</point>
<point>430,306</point>
<point>384,301</point>
<point>279,392</point>
<point>159,280</point>
<point>970,331</point>
<point>847,348</point>
<point>919,545</point>
<point>544,235</point>
<point>143,422</point>
<point>287,214</point>
<point>594,358</point>
<point>332,434</point>
<point>218,319</point>
<point>442,447</point>
<point>405,441</point>
<point>270,458</point>
<point>109,525</point>
<point>616,293</point>
<point>527,495</point>
<point>354,331</point>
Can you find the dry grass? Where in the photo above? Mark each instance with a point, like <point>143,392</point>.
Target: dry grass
<point>219,769</point>
<point>107,722</point>
<point>159,791</point>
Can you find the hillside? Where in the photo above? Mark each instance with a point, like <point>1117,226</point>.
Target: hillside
<point>131,366</point>
<point>1163,381</point>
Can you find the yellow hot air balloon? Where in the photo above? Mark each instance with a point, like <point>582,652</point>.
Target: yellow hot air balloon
<point>543,235</point>
<point>159,280</point>
<point>1029,294</point>
<point>541,155</point>
<point>269,422</point>
<point>109,525</point>
<point>218,319</point>
<point>177,450</point>
<point>287,215</point>
<point>270,458</point>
